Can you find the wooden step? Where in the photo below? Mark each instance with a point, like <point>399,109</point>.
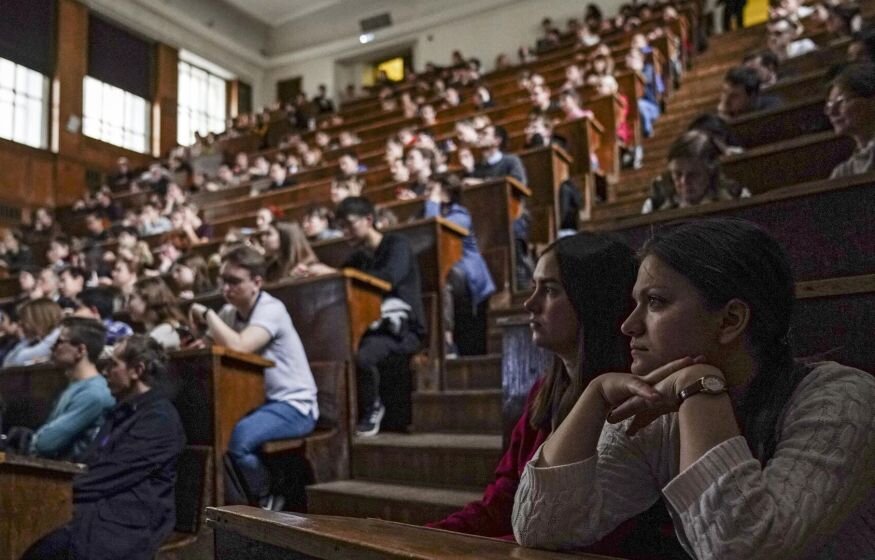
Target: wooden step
<point>461,461</point>
<point>469,412</point>
<point>473,372</point>
<point>407,504</point>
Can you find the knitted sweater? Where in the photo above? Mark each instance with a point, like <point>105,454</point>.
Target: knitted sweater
<point>814,498</point>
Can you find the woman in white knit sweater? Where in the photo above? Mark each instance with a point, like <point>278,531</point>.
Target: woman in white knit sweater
<point>755,455</point>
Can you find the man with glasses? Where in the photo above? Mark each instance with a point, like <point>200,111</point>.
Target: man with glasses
<point>254,321</point>
<point>124,505</point>
<point>401,330</point>
<point>78,412</point>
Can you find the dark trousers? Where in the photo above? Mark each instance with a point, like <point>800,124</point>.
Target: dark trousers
<point>466,320</point>
<point>374,357</point>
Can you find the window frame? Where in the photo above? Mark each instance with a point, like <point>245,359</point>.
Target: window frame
<point>195,109</point>
<point>21,101</point>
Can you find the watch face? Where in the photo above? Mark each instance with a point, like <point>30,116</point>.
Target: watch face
<point>713,384</point>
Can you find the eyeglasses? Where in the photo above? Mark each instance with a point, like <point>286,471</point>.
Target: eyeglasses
<point>60,341</point>
<point>232,280</point>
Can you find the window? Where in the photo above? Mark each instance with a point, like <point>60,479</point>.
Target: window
<point>23,104</point>
<point>115,116</point>
<point>201,103</point>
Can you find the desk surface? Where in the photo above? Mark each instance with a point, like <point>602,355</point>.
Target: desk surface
<point>28,461</point>
<point>330,537</point>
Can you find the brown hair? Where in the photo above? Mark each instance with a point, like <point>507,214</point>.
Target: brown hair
<point>41,315</point>
<point>161,305</point>
<point>294,250</point>
<point>246,258</point>
<point>198,265</point>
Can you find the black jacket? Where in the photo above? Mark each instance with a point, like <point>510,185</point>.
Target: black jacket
<point>124,506</point>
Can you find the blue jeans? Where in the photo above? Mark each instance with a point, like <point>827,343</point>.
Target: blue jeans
<point>272,420</point>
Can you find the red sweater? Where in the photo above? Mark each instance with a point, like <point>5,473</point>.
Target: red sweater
<point>490,516</point>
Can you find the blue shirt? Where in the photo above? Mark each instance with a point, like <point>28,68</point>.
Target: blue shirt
<point>74,421</point>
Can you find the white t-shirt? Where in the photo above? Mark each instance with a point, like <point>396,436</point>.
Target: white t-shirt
<point>290,380</point>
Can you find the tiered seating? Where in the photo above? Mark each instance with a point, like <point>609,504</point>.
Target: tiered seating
<point>461,407</point>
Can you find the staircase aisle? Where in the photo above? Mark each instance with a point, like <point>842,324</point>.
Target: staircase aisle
<point>443,464</point>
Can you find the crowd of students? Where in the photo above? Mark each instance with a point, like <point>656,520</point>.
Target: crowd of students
<point>711,374</point>
<point>693,176</point>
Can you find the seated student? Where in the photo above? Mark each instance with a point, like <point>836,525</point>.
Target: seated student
<point>78,413</point>
<point>495,162</point>
<point>9,331</point>
<point>99,303</point>
<point>348,164</point>
<point>569,102</point>
<point>851,110</point>
<point>401,329</point>
<point>741,94</point>
<point>654,87</point>
<point>759,456</point>
<point>420,166</point>
<point>783,40</point>
<point>693,176</point>
<point>14,254</point>
<point>132,248</point>
<point>766,64</point>
<point>48,286</point>
<point>39,320</point>
<point>279,177</point>
<point>316,224</point>
<point>579,300</point>
<point>469,284</point>
<point>71,282</point>
<point>256,322</point>
<point>154,305</point>
<point>123,506</point>
<point>344,186</point>
<point>287,252</point>
<point>191,276</point>
<point>862,47</point>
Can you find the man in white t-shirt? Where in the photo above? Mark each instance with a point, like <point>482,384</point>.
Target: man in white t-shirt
<point>254,321</point>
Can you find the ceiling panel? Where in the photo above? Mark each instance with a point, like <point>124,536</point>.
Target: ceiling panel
<point>278,12</point>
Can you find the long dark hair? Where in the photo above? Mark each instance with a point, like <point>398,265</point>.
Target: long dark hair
<point>727,259</point>
<point>597,272</point>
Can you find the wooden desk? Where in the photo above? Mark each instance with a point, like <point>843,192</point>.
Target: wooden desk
<point>329,312</point>
<point>212,389</point>
<point>826,227</point>
<point>36,496</point>
<point>494,205</point>
<point>245,532</point>
<point>546,169</point>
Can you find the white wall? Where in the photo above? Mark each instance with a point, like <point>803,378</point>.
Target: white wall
<point>498,26</point>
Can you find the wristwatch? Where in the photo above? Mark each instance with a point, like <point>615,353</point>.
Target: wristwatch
<point>709,384</point>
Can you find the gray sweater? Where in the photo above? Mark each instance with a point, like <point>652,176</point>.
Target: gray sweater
<point>814,498</point>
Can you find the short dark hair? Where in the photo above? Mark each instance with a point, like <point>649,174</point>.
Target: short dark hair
<point>75,272</point>
<point>867,38</point>
<point>355,206</point>
<point>247,258</point>
<point>349,153</point>
<point>744,77</point>
<point>145,350</point>
<point>502,135</point>
<point>89,332</point>
<point>101,298</point>
<point>858,79</point>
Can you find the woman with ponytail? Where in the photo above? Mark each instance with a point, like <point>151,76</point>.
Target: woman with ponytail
<point>582,285</point>
<point>755,455</point>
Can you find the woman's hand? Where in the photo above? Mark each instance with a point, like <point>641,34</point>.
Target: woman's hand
<point>667,383</point>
